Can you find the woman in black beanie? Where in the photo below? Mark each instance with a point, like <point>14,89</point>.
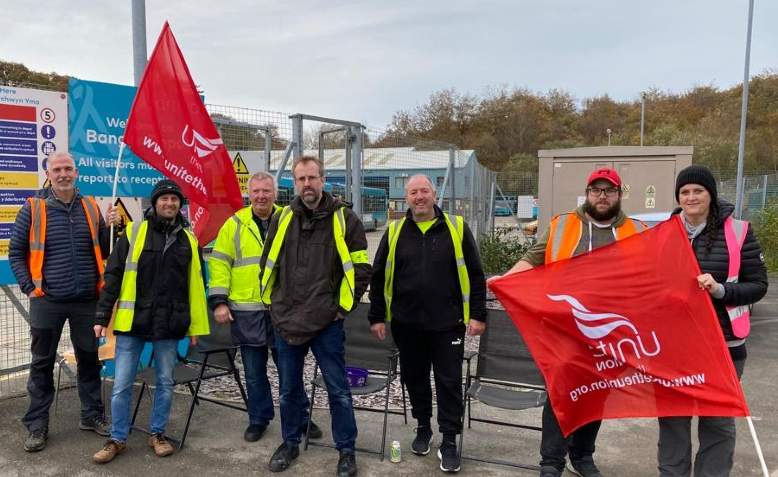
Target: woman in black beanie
<point>705,218</point>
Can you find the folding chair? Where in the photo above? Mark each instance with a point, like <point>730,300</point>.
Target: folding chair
<point>212,357</point>
<point>380,358</point>
<point>506,377</point>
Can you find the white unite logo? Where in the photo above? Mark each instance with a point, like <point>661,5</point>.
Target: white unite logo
<point>202,145</point>
<point>597,326</point>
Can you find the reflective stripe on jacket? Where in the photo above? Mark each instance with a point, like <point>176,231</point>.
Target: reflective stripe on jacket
<point>198,311</point>
<point>38,239</point>
<point>233,265</point>
<point>347,258</point>
<point>457,236</point>
<point>735,235</point>
<point>565,232</point>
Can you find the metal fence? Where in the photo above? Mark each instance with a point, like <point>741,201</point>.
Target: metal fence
<point>353,153</point>
<point>15,344</point>
<point>758,192</point>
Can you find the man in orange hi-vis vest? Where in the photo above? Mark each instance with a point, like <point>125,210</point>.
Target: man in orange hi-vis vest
<point>597,222</point>
<point>57,247</point>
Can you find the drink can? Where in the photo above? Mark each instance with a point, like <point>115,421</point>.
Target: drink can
<point>395,455</point>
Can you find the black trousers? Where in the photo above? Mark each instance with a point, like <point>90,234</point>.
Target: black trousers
<point>553,445</point>
<point>46,322</point>
<point>441,351</point>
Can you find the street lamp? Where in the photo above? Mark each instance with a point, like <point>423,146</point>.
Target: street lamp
<point>741,149</point>
<point>609,135</point>
<point>642,115</point>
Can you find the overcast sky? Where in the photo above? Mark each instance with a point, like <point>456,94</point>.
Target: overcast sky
<point>365,60</point>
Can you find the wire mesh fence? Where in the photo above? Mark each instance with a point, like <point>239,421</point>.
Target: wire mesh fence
<point>15,341</point>
<point>758,192</point>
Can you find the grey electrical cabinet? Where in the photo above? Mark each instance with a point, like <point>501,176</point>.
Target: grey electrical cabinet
<point>647,174</point>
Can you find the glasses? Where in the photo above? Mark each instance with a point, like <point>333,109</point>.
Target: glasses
<point>608,191</point>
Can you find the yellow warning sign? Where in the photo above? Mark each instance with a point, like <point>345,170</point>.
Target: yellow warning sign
<point>124,214</point>
<point>242,171</point>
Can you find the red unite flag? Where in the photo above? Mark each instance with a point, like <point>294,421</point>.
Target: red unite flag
<point>625,331</point>
<point>169,128</point>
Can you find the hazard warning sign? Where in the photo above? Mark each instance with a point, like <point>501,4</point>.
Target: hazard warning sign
<point>124,214</point>
<point>242,172</point>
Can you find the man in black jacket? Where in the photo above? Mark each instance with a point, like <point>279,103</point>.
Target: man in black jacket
<point>429,283</point>
<point>314,269</point>
<point>62,279</point>
<point>155,273</point>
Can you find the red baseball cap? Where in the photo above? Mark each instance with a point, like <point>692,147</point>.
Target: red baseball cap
<point>606,173</point>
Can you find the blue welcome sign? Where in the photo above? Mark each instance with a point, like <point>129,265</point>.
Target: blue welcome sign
<point>97,116</point>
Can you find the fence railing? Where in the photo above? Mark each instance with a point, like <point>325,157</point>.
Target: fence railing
<point>15,341</point>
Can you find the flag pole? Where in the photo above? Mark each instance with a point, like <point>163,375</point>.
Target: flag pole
<point>758,447</point>
<point>115,186</point>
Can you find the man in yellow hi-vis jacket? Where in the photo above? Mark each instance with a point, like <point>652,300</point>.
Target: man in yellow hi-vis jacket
<point>314,269</point>
<point>233,294</point>
<point>155,273</point>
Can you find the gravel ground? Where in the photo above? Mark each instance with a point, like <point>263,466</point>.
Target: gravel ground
<point>225,388</point>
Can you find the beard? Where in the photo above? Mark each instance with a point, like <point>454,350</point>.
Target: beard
<point>608,214</point>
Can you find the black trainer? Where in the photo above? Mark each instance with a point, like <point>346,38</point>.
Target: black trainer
<point>421,444</point>
<point>254,432</point>
<point>314,433</point>
<point>449,457</point>
<point>283,456</point>
<point>96,424</point>
<point>36,441</point>
<point>549,471</point>
<point>584,467</point>
<point>347,464</point>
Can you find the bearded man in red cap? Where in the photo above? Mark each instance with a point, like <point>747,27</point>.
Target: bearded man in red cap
<point>597,222</point>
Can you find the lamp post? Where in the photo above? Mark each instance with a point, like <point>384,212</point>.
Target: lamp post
<point>642,115</point>
<point>138,39</point>
<point>743,113</point>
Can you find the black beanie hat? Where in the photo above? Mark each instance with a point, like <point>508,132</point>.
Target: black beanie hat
<point>697,174</point>
<point>163,187</point>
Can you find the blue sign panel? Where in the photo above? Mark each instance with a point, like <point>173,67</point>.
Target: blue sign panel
<point>5,230</point>
<point>15,197</point>
<point>17,130</point>
<point>6,275</point>
<point>97,115</point>
<point>19,163</point>
<point>19,146</point>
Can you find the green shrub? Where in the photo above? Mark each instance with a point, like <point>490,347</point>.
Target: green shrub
<point>766,229</point>
<point>501,250</point>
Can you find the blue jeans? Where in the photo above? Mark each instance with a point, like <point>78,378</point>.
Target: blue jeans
<point>328,348</point>
<point>260,403</point>
<point>128,350</point>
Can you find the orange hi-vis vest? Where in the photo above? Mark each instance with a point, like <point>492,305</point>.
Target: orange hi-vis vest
<point>566,230</point>
<point>38,240</point>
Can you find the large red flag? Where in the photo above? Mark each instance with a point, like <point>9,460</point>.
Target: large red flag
<point>169,128</point>
<point>625,331</point>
